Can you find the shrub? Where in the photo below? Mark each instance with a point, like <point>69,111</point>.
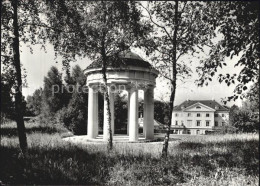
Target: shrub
<point>74,117</point>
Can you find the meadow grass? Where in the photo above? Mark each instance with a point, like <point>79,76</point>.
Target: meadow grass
<point>193,160</point>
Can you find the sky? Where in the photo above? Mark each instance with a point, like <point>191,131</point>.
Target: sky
<point>39,62</point>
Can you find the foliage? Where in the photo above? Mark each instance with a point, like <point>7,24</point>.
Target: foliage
<point>120,111</point>
<point>246,121</point>
<point>193,160</point>
<point>232,114</point>
<point>252,99</point>
<point>7,102</point>
<point>53,97</point>
<point>238,23</point>
<point>112,24</point>
<point>74,115</point>
<point>192,31</point>
<point>73,80</point>
<point>28,19</point>
<point>34,102</point>
<point>161,111</point>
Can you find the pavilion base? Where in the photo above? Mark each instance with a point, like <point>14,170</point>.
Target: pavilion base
<point>117,138</point>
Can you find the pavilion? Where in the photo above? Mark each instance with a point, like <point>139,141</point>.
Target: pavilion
<point>128,72</point>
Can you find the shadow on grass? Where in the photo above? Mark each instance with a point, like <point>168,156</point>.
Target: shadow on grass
<point>49,166</point>
<point>74,165</point>
<point>40,129</point>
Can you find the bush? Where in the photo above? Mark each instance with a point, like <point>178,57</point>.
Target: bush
<point>74,117</point>
<point>224,130</point>
<point>245,121</point>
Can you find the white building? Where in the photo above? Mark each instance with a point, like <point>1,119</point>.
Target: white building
<point>198,116</point>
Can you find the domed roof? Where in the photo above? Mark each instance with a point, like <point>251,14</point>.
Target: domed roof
<point>123,59</point>
<point>128,54</point>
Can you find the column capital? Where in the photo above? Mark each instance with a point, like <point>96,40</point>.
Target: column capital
<point>94,87</point>
<point>130,88</point>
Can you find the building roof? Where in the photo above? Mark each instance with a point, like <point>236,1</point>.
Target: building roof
<point>124,59</point>
<point>209,103</point>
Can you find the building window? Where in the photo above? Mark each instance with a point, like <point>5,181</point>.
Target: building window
<point>198,123</point>
<point>216,123</point>
<point>176,115</point>
<point>223,115</point>
<point>216,115</point>
<point>176,122</point>
<point>207,115</point>
<point>189,123</point>
<point>198,114</point>
<point>188,131</point>
<point>198,107</point>
<point>198,131</point>
<point>189,114</point>
<point>176,131</point>
<point>182,123</point>
<point>207,123</point>
<point>223,123</point>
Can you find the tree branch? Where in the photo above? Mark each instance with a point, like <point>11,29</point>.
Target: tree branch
<point>46,26</point>
<point>162,27</point>
<point>6,56</point>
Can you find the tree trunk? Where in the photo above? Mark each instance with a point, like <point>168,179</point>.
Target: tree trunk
<point>173,84</point>
<point>106,93</point>
<point>18,89</point>
<point>104,68</point>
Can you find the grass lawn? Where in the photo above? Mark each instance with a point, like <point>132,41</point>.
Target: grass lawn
<point>193,160</point>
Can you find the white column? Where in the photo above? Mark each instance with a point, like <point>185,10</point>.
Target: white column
<point>149,113</point>
<point>133,116</point>
<point>95,111</point>
<point>145,115</point>
<point>128,112</point>
<point>112,110</point>
<point>106,126</point>
<point>92,114</point>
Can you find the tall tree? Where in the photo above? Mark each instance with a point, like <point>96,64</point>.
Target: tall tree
<point>74,116</point>
<point>180,28</point>
<point>238,24</point>
<point>53,92</point>
<point>100,30</point>
<point>73,79</point>
<point>18,20</point>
